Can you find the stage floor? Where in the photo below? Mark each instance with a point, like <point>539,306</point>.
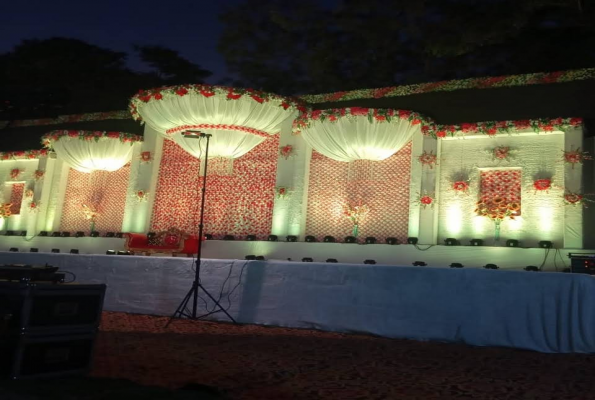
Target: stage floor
<point>548,312</point>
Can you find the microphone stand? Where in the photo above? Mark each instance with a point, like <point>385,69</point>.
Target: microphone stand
<point>192,294</point>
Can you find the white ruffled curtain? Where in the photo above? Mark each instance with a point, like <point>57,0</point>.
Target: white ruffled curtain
<point>89,155</point>
<point>225,144</point>
<point>350,139</point>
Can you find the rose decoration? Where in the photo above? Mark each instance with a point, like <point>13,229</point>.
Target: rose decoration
<point>542,185</point>
<point>502,153</point>
<point>33,206</point>
<point>286,151</point>
<point>574,157</point>
<point>426,200</point>
<point>428,159</point>
<point>141,195</point>
<point>14,173</point>
<point>282,191</point>
<point>575,199</point>
<point>38,174</point>
<point>460,186</point>
<point>29,193</point>
<point>146,157</point>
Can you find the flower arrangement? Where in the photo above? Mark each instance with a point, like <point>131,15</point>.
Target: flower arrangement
<point>33,206</point>
<point>38,174</point>
<point>426,200</point>
<point>141,195</point>
<point>5,211</point>
<point>146,157</point>
<point>576,199</point>
<point>542,185</point>
<point>90,214</point>
<point>23,155</point>
<point>355,213</point>
<point>29,193</point>
<point>48,139</point>
<point>15,173</point>
<point>428,159</point>
<point>502,153</point>
<point>282,192</point>
<point>286,151</point>
<point>574,157</point>
<point>497,209</point>
<point>461,187</point>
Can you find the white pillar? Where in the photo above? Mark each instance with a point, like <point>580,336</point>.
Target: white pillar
<point>573,215</point>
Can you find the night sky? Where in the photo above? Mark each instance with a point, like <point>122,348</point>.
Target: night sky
<point>190,27</point>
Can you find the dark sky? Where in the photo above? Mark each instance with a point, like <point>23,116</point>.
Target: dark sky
<point>188,26</point>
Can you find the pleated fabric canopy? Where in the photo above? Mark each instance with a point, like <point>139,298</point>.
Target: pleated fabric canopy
<point>350,134</point>
<point>88,151</point>
<point>237,119</point>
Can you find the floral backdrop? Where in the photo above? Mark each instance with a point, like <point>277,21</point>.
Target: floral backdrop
<point>105,192</point>
<point>239,199</point>
<point>16,197</point>
<point>381,185</point>
<point>505,183</point>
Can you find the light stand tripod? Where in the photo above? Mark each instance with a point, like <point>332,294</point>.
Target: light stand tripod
<point>192,294</point>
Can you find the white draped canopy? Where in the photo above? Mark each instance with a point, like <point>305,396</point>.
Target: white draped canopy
<point>346,137</point>
<point>238,120</point>
<point>88,151</point>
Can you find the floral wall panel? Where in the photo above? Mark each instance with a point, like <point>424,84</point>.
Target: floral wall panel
<point>239,199</point>
<point>381,185</point>
<point>16,197</point>
<point>501,183</point>
<point>104,192</point>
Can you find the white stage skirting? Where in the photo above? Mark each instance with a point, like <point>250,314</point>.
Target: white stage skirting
<point>547,312</point>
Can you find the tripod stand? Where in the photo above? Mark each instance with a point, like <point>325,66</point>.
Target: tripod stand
<point>192,294</point>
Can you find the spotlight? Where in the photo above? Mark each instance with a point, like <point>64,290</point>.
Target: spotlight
<point>350,239</point>
<point>531,268</point>
<point>250,257</point>
<point>110,234</point>
<point>151,234</point>
<point>43,233</point>
<point>260,258</point>
<point>310,239</point>
<point>328,239</point>
<point>55,234</point>
<point>123,253</point>
<point>94,234</point>
<point>546,244</point>
<point>370,240</point>
<point>391,240</point>
<point>332,260</point>
<point>419,264</point>
<point>476,242</point>
<point>451,242</point>
<point>110,252</point>
<point>272,238</point>
<point>412,240</point>
<point>9,233</point>
<point>490,266</point>
<point>55,250</point>
<point>291,238</point>
<point>34,250</point>
<point>79,234</point>
<point>512,243</point>
<point>307,259</point>
<point>251,238</point>
<point>65,234</point>
<point>229,237</point>
<point>456,265</point>
<point>23,233</point>
<point>13,249</point>
<point>74,251</point>
<point>208,236</point>
<point>370,262</point>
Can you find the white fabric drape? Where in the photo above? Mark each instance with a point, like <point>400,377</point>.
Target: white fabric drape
<point>87,156</point>
<point>356,138</point>
<point>226,144</point>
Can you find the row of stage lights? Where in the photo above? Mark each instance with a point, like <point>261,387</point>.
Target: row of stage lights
<point>312,239</point>
<point>544,244</point>
<point>75,251</point>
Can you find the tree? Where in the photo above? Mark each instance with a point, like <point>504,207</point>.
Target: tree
<point>170,67</point>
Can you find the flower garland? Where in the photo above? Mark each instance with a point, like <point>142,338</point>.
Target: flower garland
<point>574,157</point>
<point>428,159</point>
<point>53,136</point>
<point>502,153</point>
<point>24,154</point>
<point>15,173</point>
<point>64,119</point>
<point>447,86</point>
<point>497,209</point>
<point>286,151</point>
<point>5,210</point>
<point>306,119</point>
<point>228,93</point>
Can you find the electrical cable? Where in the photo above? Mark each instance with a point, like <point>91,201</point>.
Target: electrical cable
<point>71,273</point>
<point>547,253</point>
<point>420,249</point>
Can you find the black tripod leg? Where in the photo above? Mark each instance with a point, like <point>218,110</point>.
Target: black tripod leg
<point>182,306</point>
<point>217,303</point>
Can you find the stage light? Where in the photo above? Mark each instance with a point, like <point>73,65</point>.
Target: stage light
<point>65,234</point>
<point>123,253</point>
<point>350,239</point>
<point>331,260</point>
<point>9,233</point>
<point>260,258</point>
<point>419,264</point>
<point>43,233</point>
<point>94,234</point>
<point>512,243</point>
<point>310,239</point>
<point>55,234</point>
<point>120,235</point>
<point>370,240</point>
<point>412,240</point>
<point>546,244</point>
<point>328,239</point>
<point>370,262</point>
<point>110,234</point>
<point>391,240</point>
<point>291,238</point>
<point>491,266</point>
<point>456,265</point>
<point>55,250</point>
<point>250,257</point>
<point>273,238</point>
<point>34,250</point>
<point>531,268</point>
<point>229,237</point>
<point>208,236</point>
<point>151,234</point>
<point>251,238</point>
<point>476,242</point>
<point>74,251</point>
<point>13,249</point>
<point>451,242</point>
<point>307,259</point>
<point>79,234</point>
<point>23,233</point>
<point>110,252</point>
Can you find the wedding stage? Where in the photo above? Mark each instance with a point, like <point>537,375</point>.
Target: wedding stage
<point>547,312</point>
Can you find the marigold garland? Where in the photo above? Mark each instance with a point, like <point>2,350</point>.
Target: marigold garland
<point>497,209</point>
<point>5,210</point>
